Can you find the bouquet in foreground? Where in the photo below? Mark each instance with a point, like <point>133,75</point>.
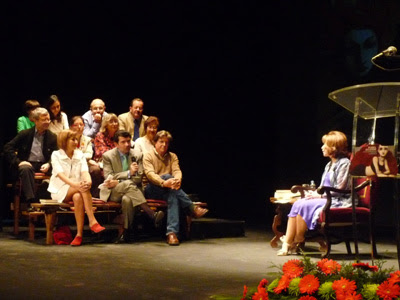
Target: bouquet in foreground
<point>327,279</point>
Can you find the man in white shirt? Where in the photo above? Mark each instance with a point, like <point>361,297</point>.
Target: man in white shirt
<point>93,117</point>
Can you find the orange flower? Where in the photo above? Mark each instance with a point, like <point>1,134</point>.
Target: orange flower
<point>293,268</point>
<point>261,287</point>
<point>394,277</point>
<point>262,284</point>
<point>388,291</point>
<point>329,266</point>
<point>308,284</point>
<point>283,284</point>
<point>307,297</point>
<point>366,266</point>
<point>260,296</point>
<point>244,292</point>
<point>352,296</point>
<point>343,287</point>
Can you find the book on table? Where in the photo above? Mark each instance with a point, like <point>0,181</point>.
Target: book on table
<point>48,201</point>
<point>285,196</point>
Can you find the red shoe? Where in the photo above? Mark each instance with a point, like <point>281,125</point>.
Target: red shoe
<point>77,241</point>
<point>96,228</point>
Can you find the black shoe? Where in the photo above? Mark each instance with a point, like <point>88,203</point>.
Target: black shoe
<point>123,238</point>
<point>158,217</point>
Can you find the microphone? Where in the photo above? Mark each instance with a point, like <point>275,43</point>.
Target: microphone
<point>133,159</point>
<point>390,51</point>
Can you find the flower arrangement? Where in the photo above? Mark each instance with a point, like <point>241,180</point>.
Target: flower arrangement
<point>327,279</point>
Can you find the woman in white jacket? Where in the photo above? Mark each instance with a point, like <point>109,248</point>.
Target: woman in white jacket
<point>70,180</point>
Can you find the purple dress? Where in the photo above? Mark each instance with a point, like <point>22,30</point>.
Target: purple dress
<point>307,207</point>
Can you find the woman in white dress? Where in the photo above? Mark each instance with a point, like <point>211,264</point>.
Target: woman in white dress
<point>146,142</point>
<point>58,118</point>
<point>70,180</point>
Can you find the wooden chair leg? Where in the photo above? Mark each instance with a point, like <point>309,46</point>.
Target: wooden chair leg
<point>327,251</point>
<point>328,247</point>
<point>277,222</point>
<point>188,226</point>
<point>50,220</point>
<point>348,247</point>
<point>17,208</point>
<point>32,220</point>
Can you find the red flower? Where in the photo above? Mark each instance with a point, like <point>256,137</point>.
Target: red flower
<point>262,284</point>
<point>329,266</point>
<point>352,296</point>
<point>244,292</point>
<point>293,268</point>
<point>283,284</point>
<point>365,266</point>
<point>388,291</point>
<point>307,297</point>
<point>343,287</point>
<point>394,277</point>
<point>261,293</point>
<point>308,284</point>
<point>260,296</point>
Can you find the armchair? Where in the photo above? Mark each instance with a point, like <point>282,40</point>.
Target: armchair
<point>338,225</point>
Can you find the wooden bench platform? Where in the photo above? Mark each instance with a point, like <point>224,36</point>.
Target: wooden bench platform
<point>50,212</point>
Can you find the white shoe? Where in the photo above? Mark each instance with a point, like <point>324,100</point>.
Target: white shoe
<point>286,249</point>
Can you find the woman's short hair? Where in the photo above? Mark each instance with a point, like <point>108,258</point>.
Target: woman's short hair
<point>31,105</point>
<point>63,137</point>
<point>163,133</point>
<point>149,120</point>
<point>106,120</point>
<point>37,112</point>
<point>337,140</point>
<point>74,118</point>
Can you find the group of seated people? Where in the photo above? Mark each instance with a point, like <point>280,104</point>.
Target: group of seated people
<point>120,158</point>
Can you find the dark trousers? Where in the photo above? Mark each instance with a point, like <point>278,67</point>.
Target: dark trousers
<point>27,176</point>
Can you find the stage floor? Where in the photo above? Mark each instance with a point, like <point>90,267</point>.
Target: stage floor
<point>149,268</point>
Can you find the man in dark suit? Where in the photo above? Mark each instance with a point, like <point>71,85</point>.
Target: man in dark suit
<point>30,152</point>
<point>123,171</point>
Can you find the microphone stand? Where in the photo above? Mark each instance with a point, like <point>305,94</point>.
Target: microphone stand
<point>387,58</point>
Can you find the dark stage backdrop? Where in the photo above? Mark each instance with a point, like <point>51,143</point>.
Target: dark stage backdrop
<point>198,67</point>
<point>325,46</point>
<point>241,86</point>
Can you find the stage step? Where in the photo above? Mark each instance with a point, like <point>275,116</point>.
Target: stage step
<point>216,228</point>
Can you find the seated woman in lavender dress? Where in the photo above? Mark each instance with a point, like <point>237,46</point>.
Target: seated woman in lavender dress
<point>305,212</point>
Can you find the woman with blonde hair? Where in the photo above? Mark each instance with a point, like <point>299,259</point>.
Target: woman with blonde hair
<point>70,180</point>
<point>104,140</point>
<point>304,212</point>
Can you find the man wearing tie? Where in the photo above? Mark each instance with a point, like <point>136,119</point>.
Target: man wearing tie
<point>133,120</point>
<point>123,171</point>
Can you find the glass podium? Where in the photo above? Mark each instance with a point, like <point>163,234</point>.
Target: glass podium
<point>370,102</point>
